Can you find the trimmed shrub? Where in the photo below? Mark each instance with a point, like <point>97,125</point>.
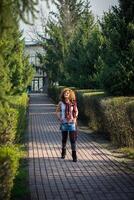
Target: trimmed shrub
<point>110,115</point>
<point>91,110</point>
<point>13,119</point>
<point>9,161</point>
<point>117,121</point>
<point>54,92</point>
<point>8,124</point>
<point>20,103</point>
<point>130,111</point>
<point>12,125</point>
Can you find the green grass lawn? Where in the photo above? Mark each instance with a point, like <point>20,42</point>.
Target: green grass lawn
<point>128,152</point>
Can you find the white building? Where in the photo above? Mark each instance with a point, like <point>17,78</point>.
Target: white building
<point>32,49</point>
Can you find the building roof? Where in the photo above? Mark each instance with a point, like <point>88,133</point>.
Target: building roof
<point>32,43</point>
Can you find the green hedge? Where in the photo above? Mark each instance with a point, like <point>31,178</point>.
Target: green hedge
<point>13,119</point>
<point>90,110</point>
<point>20,104</point>
<point>117,122</point>
<point>12,125</point>
<point>130,111</point>
<point>8,124</point>
<point>54,92</point>
<point>9,162</point>
<point>113,116</point>
<point>108,115</point>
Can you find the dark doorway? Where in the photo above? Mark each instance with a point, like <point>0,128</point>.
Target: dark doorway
<point>37,84</point>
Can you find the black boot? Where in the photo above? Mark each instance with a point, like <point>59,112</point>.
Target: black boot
<point>74,156</point>
<point>63,153</point>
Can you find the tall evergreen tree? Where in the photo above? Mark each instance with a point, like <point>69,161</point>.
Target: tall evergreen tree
<point>69,14</point>
<point>21,71</point>
<point>118,50</point>
<point>54,51</point>
<point>13,63</point>
<point>59,31</point>
<point>84,51</point>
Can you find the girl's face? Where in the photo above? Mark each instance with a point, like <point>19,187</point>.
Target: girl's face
<point>66,94</point>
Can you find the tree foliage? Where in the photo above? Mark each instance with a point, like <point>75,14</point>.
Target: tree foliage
<point>54,47</point>
<point>15,71</point>
<point>58,33</point>
<point>72,45</point>
<point>69,12</point>
<point>11,11</point>
<point>118,52</point>
<point>127,9</point>
<point>81,52</point>
<point>84,51</point>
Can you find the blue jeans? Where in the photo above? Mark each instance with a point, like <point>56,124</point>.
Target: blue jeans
<point>68,126</point>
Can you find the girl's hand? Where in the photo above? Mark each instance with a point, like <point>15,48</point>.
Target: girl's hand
<point>60,120</point>
<point>75,120</point>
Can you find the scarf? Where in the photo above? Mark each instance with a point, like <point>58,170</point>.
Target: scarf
<point>68,110</point>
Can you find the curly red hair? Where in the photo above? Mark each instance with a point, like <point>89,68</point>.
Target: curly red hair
<point>72,96</point>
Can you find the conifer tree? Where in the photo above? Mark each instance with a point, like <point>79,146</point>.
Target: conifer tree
<point>69,15</point>
<point>84,51</point>
<point>20,70</point>
<point>118,50</point>
<point>13,63</point>
<point>59,31</point>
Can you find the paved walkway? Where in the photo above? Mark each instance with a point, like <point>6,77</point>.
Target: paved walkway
<point>96,175</point>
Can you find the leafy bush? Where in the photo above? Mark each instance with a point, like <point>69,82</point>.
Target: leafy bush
<point>12,125</point>
<point>117,121</point>
<point>130,111</point>
<point>8,124</point>
<point>90,109</point>
<point>9,161</point>
<point>54,92</point>
<point>13,119</point>
<point>108,115</point>
<point>19,103</point>
<point>129,152</point>
<point>19,190</point>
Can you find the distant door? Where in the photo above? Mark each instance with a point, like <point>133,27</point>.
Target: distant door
<point>37,84</point>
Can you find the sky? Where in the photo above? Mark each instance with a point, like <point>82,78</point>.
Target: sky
<point>97,7</point>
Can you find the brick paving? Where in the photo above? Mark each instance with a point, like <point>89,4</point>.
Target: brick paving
<point>96,175</point>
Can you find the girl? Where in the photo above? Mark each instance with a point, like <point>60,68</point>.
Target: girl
<point>67,113</point>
